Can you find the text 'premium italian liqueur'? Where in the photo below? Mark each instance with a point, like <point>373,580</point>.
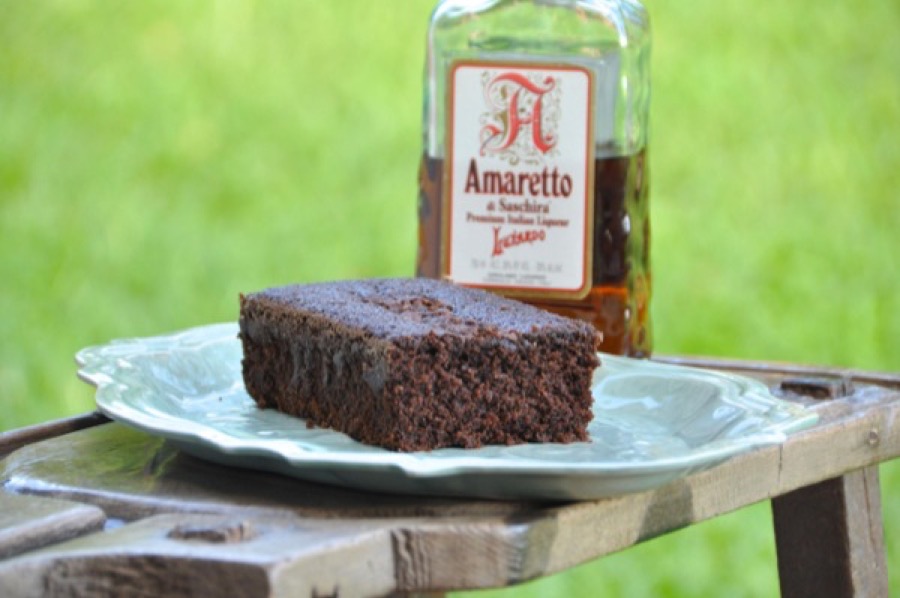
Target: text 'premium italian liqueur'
<point>533,182</point>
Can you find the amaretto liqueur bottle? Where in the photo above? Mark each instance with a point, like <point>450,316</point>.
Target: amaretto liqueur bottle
<point>533,182</point>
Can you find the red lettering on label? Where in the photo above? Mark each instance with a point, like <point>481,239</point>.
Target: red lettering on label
<point>516,113</point>
<point>517,237</point>
<point>546,183</point>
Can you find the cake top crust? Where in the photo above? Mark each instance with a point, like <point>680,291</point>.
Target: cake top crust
<point>400,307</point>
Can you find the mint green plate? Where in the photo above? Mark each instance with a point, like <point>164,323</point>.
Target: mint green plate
<point>653,423</point>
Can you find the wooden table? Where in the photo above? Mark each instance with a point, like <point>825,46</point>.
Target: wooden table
<point>93,508</point>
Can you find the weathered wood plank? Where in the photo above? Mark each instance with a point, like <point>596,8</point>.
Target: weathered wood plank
<point>841,443</point>
<point>131,475</point>
<point>775,369</point>
<point>16,439</point>
<point>440,544</point>
<point>30,522</point>
<point>553,539</point>
<point>830,538</point>
<point>273,557</point>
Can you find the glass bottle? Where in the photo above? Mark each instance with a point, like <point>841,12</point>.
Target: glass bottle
<point>533,181</point>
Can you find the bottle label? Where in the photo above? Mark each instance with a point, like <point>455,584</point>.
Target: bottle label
<point>519,178</point>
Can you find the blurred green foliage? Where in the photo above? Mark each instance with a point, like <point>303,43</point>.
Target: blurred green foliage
<point>157,158</point>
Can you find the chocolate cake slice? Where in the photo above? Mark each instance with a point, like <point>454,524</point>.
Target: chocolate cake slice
<point>418,364</point>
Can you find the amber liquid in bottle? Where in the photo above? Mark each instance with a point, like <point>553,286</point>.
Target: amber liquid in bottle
<point>618,301</point>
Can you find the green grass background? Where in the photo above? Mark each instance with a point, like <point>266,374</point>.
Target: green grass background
<point>159,157</point>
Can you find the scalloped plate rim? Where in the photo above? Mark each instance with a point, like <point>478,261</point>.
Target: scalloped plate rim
<point>194,435</point>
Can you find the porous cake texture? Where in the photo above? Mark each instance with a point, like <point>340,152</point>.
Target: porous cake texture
<point>418,364</point>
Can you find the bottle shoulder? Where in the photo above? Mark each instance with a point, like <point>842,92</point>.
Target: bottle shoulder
<point>623,21</point>
<point>448,11</point>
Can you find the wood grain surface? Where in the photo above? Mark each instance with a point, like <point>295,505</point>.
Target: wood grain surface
<point>29,522</point>
<point>835,525</point>
<point>185,527</point>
